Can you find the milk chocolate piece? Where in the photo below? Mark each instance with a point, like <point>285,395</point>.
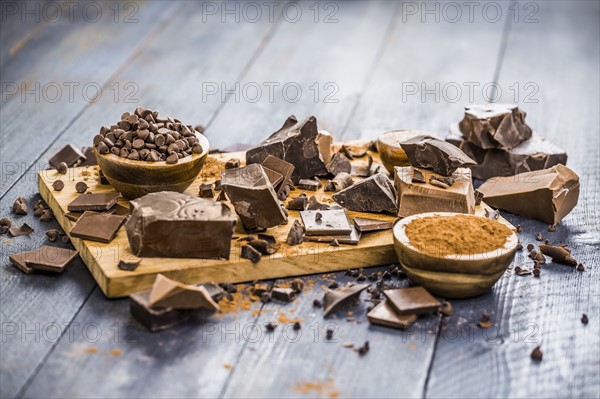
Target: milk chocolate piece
<point>296,234</point>
<point>547,195</point>
<point>384,314</point>
<point>535,153</point>
<point>365,224</point>
<point>253,197</point>
<point>69,154</point>
<point>430,153</point>
<point>20,206</point>
<point>425,197</point>
<point>93,202</point>
<point>167,293</point>
<point>280,166</point>
<point>155,319</point>
<point>412,301</point>
<point>99,227</point>
<point>495,126</point>
<point>298,203</point>
<point>330,222</point>
<point>295,142</point>
<point>335,299</point>
<point>283,294</point>
<point>374,194</point>
<point>46,258</point>
<point>325,142</point>
<point>339,164</point>
<point>342,181</point>
<point>23,230</point>
<point>308,184</point>
<point>559,254</point>
<point>20,260</point>
<point>174,225</point>
<point>353,238</point>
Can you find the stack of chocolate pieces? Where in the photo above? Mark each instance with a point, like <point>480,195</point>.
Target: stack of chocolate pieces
<point>331,226</point>
<point>96,217</point>
<point>497,137</point>
<point>402,306</point>
<point>44,259</point>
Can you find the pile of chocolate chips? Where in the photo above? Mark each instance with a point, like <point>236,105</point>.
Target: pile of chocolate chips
<point>147,136</point>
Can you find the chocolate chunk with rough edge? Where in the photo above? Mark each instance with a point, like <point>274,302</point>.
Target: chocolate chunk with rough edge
<point>295,142</point>
<point>155,319</point>
<point>69,154</point>
<point>342,181</point>
<point>167,293</point>
<point>335,299</point>
<point>23,230</point>
<point>430,153</point>
<point>374,194</point>
<point>250,253</point>
<point>296,234</point>
<point>283,294</point>
<point>299,203</point>
<point>339,164</point>
<point>20,206</point>
<point>280,166</point>
<point>93,202</point>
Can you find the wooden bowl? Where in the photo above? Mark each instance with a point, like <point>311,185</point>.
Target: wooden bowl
<point>452,276</point>
<point>134,179</point>
<point>390,152</point>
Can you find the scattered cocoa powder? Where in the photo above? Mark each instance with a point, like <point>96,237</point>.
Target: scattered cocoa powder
<point>455,235</point>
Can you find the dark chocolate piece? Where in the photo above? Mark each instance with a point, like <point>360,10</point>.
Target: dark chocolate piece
<point>167,293</point>
<point>342,181</point>
<point>20,260</point>
<point>495,126</point>
<point>90,157</point>
<point>130,263</point>
<point>206,191</point>
<point>20,206</point>
<point>23,230</point>
<point>62,168</point>
<point>374,194</point>
<point>365,224</point>
<point>263,246</point>
<point>547,195</point>
<point>280,166</point>
<point>309,184</point>
<point>155,319</point>
<point>296,234</point>
<point>174,225</point>
<point>430,153</point>
<point>93,202</point>
<point>232,163</point>
<point>250,253</point>
<point>99,227</point>
<point>339,164</point>
<point>335,299</point>
<point>222,196</point>
<point>559,254</point>
<point>363,169</point>
<point>417,176</point>
<point>283,294</point>
<point>326,222</point>
<point>274,177</point>
<point>253,197</point>
<point>413,300</point>
<point>537,354</point>
<point>315,205</point>
<point>295,142</point>
<point>298,203</point>
<point>533,154</point>
<point>353,238</point>
<point>69,154</point>
<point>259,288</point>
<point>384,314</point>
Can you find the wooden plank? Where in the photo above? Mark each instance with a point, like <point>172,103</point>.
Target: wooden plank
<point>527,311</point>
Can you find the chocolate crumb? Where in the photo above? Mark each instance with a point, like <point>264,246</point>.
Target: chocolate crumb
<point>446,309</point>
<point>65,239</point>
<point>317,303</point>
<point>52,235</point>
<point>519,228</point>
<point>297,285</point>
<point>519,246</point>
<point>584,319</point>
<point>335,243</point>
<point>46,215</point>
<point>329,333</point>
<point>537,354</point>
<point>530,247</point>
<point>539,237</point>
<point>20,206</point>
<point>363,349</point>
<point>334,285</point>
<point>552,228</point>
<point>297,326</point>
<point>580,267</point>
<point>536,272</point>
<point>265,297</point>
<point>270,327</point>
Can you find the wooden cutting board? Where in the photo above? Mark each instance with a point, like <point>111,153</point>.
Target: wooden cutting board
<point>374,249</point>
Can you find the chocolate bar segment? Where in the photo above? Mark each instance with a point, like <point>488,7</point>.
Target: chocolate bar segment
<point>495,126</point>
<point>535,153</point>
<point>173,225</point>
<point>253,197</point>
<point>295,142</point>
<point>547,195</point>
<point>374,194</point>
<point>430,153</point>
<point>419,196</point>
<point>93,202</point>
<point>101,227</point>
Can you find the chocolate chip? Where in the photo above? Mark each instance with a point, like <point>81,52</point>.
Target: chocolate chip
<point>519,228</point>
<point>58,185</point>
<point>52,235</point>
<point>536,272</point>
<point>530,247</point>
<point>584,319</point>
<point>81,187</point>
<point>102,148</point>
<point>172,158</point>
<point>329,333</point>
<point>297,326</point>
<point>580,267</point>
<point>138,144</point>
<point>363,349</point>
<point>46,215</point>
<point>539,237</point>
<point>62,168</point>
<point>537,354</point>
<point>317,303</point>
<point>519,246</point>
<point>270,327</point>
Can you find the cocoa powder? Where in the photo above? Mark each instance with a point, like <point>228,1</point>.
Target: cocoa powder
<point>456,235</point>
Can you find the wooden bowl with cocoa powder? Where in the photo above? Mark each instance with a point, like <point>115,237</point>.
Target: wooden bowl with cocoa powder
<point>454,255</point>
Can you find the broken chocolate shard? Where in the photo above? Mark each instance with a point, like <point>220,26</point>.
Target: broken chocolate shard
<point>253,197</point>
<point>413,300</point>
<point>295,142</point>
<point>263,246</point>
<point>535,153</point>
<point>174,225</point>
<point>283,294</point>
<point>430,153</point>
<point>363,169</point>
<point>547,195</point>
<point>167,293</point>
<point>384,314</point>
<point>353,238</point>
<point>495,126</point>
<point>101,227</point>
<point>425,197</point>
<point>285,169</point>
<point>342,181</point>
<point>366,224</point>
<point>250,253</point>
<point>20,206</point>
<point>329,186</point>
<point>23,230</point>
<point>558,254</point>
<point>299,203</point>
<point>206,191</point>
<point>259,288</point>
<point>417,177</point>
<point>331,222</point>
<point>130,263</point>
<point>308,184</point>
<point>325,142</point>
<point>232,163</point>
<point>19,260</point>
<point>315,205</point>
<point>296,234</point>
<point>93,202</point>
<point>374,194</point>
<point>335,299</point>
<point>155,319</point>
<point>339,164</point>
<point>51,259</point>
<point>69,154</point>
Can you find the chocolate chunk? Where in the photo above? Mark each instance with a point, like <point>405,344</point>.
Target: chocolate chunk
<point>283,294</point>
<point>335,299</point>
<point>384,314</point>
<point>417,177</point>
<point>46,215</point>
<point>207,191</point>
<point>446,309</point>
<point>232,163</point>
<point>315,205</point>
<point>329,333</point>
<point>155,319</point>
<point>353,238</point>
<point>253,197</point>
<point>169,224</point>
<point>93,202</point>
<point>299,203</point>
<point>558,254</point>
<point>90,157</point>
<point>495,126</point>
<point>374,194</point>
<point>536,354</point>
<point>547,195</point>
<point>23,230</point>
<point>46,258</point>
<point>580,267</point>
<point>99,227</point>
<point>5,224</point>
<point>535,153</point>
<point>130,263</point>
<point>425,197</point>
<point>52,235</point>
<point>167,293</point>
<point>342,181</point>
<point>295,142</point>
<point>584,319</point>
<point>339,164</point>
<point>270,327</point>
<point>430,153</point>
<point>297,285</point>
<point>413,300</point>
<point>69,154</point>
<point>263,246</point>
<point>296,234</point>
<point>365,224</point>
<point>363,169</point>
<point>259,289</point>
<point>330,222</point>
<point>309,184</point>
<point>250,253</point>
<point>58,185</point>
<point>20,206</point>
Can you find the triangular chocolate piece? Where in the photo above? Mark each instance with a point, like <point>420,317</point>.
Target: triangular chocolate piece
<point>167,293</point>
<point>375,194</point>
<point>334,299</point>
<point>431,153</point>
